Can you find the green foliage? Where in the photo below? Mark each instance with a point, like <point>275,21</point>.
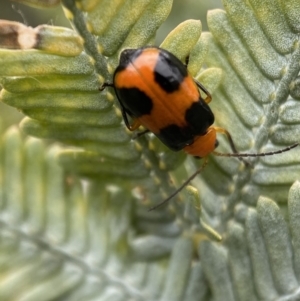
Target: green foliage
<point>74,216</point>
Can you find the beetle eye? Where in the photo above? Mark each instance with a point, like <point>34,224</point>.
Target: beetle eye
<point>216,143</point>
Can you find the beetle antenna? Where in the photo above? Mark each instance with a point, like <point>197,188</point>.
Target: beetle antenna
<point>182,186</point>
<point>258,154</point>
<point>199,170</point>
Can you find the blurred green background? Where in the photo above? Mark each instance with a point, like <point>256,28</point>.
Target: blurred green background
<point>15,11</point>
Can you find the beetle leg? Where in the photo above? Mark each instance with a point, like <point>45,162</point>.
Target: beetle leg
<point>139,134</point>
<point>135,124</point>
<point>187,59</point>
<point>201,87</point>
<point>104,85</point>
<point>230,140</point>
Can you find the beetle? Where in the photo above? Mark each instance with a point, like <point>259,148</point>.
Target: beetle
<point>155,90</point>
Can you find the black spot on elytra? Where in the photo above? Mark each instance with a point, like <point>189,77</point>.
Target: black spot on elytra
<point>127,57</point>
<point>199,117</point>
<point>135,101</point>
<point>175,137</point>
<point>169,71</point>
